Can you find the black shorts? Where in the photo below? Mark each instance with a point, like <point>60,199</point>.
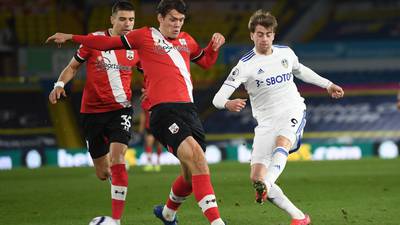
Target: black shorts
<point>101,129</point>
<point>171,123</point>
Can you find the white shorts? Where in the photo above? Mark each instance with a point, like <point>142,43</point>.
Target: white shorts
<point>289,124</point>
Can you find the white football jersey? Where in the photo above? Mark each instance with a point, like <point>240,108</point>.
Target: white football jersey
<point>268,80</point>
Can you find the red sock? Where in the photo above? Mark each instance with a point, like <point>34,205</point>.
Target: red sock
<point>179,191</point>
<point>204,194</point>
<point>119,188</point>
<point>159,150</point>
<point>148,149</point>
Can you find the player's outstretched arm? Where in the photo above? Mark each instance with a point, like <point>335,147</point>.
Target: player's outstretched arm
<point>98,42</point>
<point>335,91</point>
<point>59,38</point>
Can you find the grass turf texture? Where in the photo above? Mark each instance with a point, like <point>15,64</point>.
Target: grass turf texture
<point>365,192</point>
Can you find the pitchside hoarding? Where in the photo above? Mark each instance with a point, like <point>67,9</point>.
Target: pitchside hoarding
<point>35,158</point>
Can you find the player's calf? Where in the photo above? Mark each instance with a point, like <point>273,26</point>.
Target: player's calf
<point>103,174</point>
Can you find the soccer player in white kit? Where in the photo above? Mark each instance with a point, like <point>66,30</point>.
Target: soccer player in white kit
<point>267,73</point>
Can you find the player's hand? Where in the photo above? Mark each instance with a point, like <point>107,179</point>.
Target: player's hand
<point>217,41</point>
<point>56,94</point>
<point>235,105</point>
<point>335,91</point>
<point>398,104</point>
<point>59,38</point>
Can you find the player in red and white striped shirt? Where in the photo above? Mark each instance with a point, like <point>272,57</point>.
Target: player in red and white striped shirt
<point>165,55</point>
<point>106,103</point>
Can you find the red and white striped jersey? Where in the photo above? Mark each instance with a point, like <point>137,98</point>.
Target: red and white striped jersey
<point>166,63</point>
<point>108,78</point>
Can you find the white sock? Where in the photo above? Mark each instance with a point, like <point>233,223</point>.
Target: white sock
<point>278,198</point>
<point>278,163</point>
<point>218,222</point>
<point>168,213</point>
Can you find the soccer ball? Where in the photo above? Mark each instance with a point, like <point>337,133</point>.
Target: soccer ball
<point>103,220</point>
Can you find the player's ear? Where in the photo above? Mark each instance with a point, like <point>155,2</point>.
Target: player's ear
<point>251,36</point>
<point>112,20</point>
<point>160,18</point>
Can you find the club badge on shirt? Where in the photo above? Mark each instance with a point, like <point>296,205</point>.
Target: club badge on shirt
<point>182,41</point>
<point>285,63</point>
<point>130,54</point>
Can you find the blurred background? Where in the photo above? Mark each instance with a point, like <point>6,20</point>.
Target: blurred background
<point>354,43</point>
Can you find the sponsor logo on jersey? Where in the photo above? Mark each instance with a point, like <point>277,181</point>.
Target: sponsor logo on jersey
<point>162,47</point>
<point>103,63</point>
<point>275,79</point>
<point>260,71</point>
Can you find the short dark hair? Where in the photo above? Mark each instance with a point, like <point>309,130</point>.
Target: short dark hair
<point>122,5</point>
<point>165,6</point>
<point>263,18</point>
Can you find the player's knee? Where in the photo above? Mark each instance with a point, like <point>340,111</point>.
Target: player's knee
<point>284,142</point>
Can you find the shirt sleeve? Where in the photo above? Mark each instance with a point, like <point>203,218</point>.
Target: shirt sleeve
<point>306,74</point>
<point>99,42</point>
<point>204,57</point>
<point>222,96</point>
<point>296,63</point>
<point>82,54</point>
<point>196,52</point>
<point>133,39</point>
<point>237,76</point>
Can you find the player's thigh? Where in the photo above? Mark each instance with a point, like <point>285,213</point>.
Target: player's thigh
<point>192,118</point>
<point>263,145</point>
<point>93,128</point>
<point>291,125</point>
<point>169,128</point>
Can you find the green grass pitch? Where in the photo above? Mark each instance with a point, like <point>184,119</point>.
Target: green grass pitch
<point>365,192</point>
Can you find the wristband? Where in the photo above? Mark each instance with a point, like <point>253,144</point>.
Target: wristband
<point>59,84</point>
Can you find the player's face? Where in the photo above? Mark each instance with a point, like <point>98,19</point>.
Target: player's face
<point>263,38</point>
<point>123,22</point>
<point>171,24</point>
